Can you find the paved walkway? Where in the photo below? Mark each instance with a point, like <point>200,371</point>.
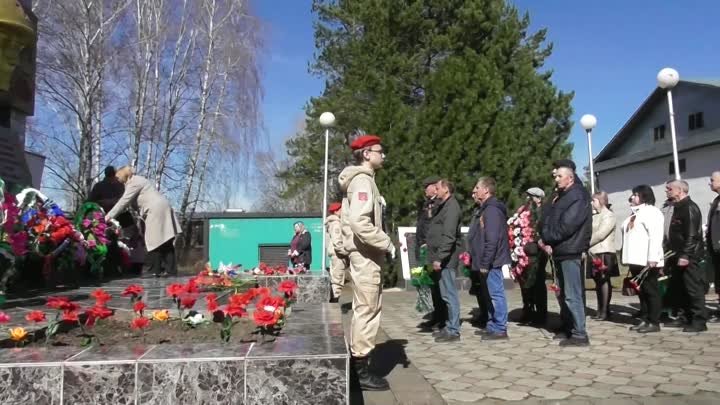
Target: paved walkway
<point>621,366</point>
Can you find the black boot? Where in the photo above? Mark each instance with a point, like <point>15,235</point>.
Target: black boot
<point>368,381</point>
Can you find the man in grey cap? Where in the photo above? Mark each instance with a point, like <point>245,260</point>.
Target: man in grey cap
<point>534,291</point>
<point>425,213</point>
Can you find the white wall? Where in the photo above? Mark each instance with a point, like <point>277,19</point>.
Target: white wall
<point>700,163</point>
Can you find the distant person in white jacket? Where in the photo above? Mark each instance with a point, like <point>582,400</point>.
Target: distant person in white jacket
<point>642,235</point>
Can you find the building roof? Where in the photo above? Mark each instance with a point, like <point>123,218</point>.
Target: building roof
<point>648,104</point>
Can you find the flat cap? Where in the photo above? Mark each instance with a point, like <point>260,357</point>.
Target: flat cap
<point>430,180</point>
<point>535,192</point>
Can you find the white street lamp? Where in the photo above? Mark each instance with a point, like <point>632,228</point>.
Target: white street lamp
<point>588,122</point>
<point>327,119</point>
<point>667,79</point>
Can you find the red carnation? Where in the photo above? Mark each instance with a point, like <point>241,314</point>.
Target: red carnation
<point>264,318</point>
<point>99,312</point>
<point>139,307</point>
<point>57,302</point>
<point>211,300</point>
<point>35,316</point>
<point>70,316</point>
<point>188,301</point>
<point>236,311</point>
<point>175,290</point>
<point>191,287</point>
<point>134,290</point>
<point>101,297</point>
<point>240,300</point>
<point>287,287</point>
<point>140,323</point>
<point>70,306</point>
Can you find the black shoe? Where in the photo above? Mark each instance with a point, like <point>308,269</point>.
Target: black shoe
<point>428,324</point>
<point>496,336</point>
<point>648,328</point>
<point>481,332</point>
<point>334,300</point>
<point>641,325</point>
<point>677,323</point>
<point>367,380</point>
<point>446,338</point>
<point>695,328</point>
<point>439,333</point>
<point>573,341</point>
<point>561,335</point>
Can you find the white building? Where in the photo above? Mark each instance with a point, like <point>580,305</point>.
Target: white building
<point>641,152</point>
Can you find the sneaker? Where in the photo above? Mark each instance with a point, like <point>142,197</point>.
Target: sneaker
<point>648,328</point>
<point>695,328</point>
<point>575,341</point>
<point>446,338</point>
<point>496,336</point>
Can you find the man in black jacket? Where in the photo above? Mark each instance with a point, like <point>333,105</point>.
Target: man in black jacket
<point>425,213</point>
<point>685,239</point>
<point>443,239</point>
<point>713,235</point>
<point>490,252</point>
<point>566,236</point>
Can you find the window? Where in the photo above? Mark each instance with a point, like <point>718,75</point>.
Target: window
<point>274,255</point>
<point>659,133</point>
<point>696,121</point>
<point>671,167</point>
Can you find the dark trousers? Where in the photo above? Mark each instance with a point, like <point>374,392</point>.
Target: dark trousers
<point>482,294</point>
<point>440,312</point>
<point>650,300</point>
<point>162,259</point>
<point>687,285</point>
<point>715,259</point>
<point>534,295</point>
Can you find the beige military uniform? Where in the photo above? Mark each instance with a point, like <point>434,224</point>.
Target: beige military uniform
<point>366,245</point>
<point>338,256</point>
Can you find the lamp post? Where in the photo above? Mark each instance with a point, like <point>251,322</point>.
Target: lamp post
<point>588,122</point>
<point>327,119</point>
<point>667,79</point>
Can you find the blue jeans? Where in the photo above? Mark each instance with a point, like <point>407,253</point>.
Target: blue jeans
<point>449,294</point>
<point>572,288</point>
<point>497,319</point>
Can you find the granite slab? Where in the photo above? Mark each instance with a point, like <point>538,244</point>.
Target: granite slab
<point>99,383</point>
<point>301,346</point>
<point>36,385</point>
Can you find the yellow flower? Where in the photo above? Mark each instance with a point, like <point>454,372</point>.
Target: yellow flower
<point>416,271</point>
<point>161,315</point>
<point>18,334</point>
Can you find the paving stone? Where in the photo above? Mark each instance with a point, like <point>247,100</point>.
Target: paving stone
<point>507,395</point>
<point>463,396</point>
<point>687,378</point>
<point>651,378</point>
<point>677,389</point>
<point>453,385</point>
<point>629,369</point>
<point>518,374</point>
<point>574,381</point>
<point>548,393</point>
<point>593,392</point>
<point>709,386</point>
<point>635,391</point>
<point>609,379</point>
<point>494,384</point>
<point>443,375</point>
<point>555,372</point>
<point>592,371</point>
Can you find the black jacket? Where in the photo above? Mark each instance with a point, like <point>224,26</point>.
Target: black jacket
<point>488,236</point>
<point>425,212</point>
<point>713,227</point>
<point>567,223</point>
<point>443,234</point>
<point>685,235</point>
<point>106,193</point>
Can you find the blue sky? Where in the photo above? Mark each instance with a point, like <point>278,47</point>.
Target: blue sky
<point>608,52</point>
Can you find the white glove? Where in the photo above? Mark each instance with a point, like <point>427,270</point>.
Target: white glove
<point>392,251</point>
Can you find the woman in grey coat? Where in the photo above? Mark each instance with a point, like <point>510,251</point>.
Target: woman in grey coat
<point>161,224</point>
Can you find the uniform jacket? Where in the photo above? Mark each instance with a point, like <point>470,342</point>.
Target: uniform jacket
<point>334,236</point>
<point>361,217</point>
<point>443,234</point>
<point>161,224</point>
<point>642,236</point>
<point>713,227</point>
<point>603,232</point>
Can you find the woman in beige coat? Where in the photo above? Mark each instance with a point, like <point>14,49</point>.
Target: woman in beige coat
<point>602,263</point>
<point>161,224</point>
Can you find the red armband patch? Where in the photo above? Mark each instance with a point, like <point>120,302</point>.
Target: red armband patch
<point>362,196</point>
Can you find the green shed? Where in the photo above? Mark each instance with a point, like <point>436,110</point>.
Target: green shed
<point>251,238</point>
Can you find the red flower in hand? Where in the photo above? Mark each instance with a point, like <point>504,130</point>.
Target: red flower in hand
<point>134,290</point>
<point>35,316</point>
<point>139,307</point>
<point>139,323</point>
<point>101,297</point>
<point>264,318</point>
<point>288,287</point>
<point>57,302</point>
<point>174,290</point>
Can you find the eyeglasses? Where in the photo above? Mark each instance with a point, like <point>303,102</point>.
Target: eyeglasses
<point>381,152</point>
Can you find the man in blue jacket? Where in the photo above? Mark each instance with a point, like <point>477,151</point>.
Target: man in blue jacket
<point>490,252</point>
<point>566,236</point>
